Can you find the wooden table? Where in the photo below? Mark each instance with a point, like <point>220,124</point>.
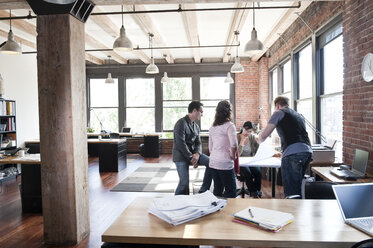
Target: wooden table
<point>273,163</point>
<point>30,181</point>
<point>324,173</point>
<point>317,223</point>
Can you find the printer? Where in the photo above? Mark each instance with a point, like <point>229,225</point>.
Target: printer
<point>324,153</point>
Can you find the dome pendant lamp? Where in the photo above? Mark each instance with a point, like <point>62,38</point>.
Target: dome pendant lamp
<point>122,43</point>
<point>254,45</point>
<point>11,46</point>
<point>237,67</point>
<point>151,68</point>
<point>164,78</point>
<point>229,79</point>
<point>109,79</point>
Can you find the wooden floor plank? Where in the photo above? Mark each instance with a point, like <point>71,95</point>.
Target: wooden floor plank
<point>26,230</point>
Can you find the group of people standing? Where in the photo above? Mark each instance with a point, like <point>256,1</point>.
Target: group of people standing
<point>225,145</point>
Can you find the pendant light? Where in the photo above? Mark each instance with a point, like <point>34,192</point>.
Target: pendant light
<point>237,67</point>
<point>11,46</point>
<point>151,68</point>
<point>229,79</point>
<point>254,45</point>
<point>164,78</point>
<point>109,79</point>
<point>122,43</point>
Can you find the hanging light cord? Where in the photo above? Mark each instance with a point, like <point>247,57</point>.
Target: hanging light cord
<point>122,15</point>
<point>10,21</point>
<point>150,44</point>
<point>253,16</point>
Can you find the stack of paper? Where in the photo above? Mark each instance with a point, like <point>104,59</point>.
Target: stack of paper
<point>179,209</point>
<point>270,220</point>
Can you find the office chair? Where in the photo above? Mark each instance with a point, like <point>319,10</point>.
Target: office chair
<point>368,243</point>
<point>241,191</point>
<point>318,190</point>
<point>114,136</point>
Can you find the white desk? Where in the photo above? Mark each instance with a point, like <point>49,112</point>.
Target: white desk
<point>272,163</point>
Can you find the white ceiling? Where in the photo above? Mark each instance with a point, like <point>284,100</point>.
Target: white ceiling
<point>170,29</point>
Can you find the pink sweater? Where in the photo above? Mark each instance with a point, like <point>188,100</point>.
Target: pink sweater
<point>221,139</point>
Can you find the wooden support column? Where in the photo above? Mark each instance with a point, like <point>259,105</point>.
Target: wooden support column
<point>63,138</point>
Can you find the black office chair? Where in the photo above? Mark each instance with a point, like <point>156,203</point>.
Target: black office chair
<point>368,243</point>
<point>318,190</point>
<point>241,191</point>
<point>114,136</point>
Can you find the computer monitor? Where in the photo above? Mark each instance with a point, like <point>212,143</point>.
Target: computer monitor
<point>126,129</point>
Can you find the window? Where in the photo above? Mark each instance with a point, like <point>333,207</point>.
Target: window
<point>140,104</point>
<point>274,84</point>
<point>304,83</point>
<point>177,94</point>
<point>332,87</point>
<point>103,114</point>
<point>213,90</point>
<point>286,79</point>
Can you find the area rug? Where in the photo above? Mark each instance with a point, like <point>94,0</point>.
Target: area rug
<point>159,177</point>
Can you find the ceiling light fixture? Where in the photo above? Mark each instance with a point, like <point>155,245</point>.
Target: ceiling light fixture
<point>229,79</point>
<point>10,46</point>
<point>122,43</point>
<point>164,78</point>
<point>109,79</point>
<point>151,68</point>
<point>237,67</point>
<point>254,45</point>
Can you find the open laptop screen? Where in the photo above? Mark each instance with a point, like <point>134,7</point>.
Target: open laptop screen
<point>360,160</point>
<point>355,200</point>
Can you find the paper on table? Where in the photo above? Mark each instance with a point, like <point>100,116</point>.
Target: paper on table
<point>265,151</point>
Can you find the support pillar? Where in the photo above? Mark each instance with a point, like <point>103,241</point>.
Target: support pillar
<point>63,138</point>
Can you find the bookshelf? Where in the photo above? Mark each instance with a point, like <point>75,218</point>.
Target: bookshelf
<point>8,135</point>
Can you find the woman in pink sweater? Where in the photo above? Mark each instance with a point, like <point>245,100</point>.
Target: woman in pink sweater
<point>223,147</point>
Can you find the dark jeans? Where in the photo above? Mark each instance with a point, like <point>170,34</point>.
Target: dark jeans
<point>224,180</point>
<point>293,168</point>
<point>253,178</point>
<point>183,171</point>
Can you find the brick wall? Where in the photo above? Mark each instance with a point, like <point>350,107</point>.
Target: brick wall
<point>358,94</point>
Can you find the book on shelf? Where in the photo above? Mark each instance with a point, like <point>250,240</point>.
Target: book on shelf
<point>267,219</point>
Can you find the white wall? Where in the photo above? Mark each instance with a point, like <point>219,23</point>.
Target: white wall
<point>20,84</point>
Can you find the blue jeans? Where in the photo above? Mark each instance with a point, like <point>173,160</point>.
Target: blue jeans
<point>224,180</point>
<point>293,168</point>
<point>183,172</point>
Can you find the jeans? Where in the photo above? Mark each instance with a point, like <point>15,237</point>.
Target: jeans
<point>183,172</point>
<point>293,168</point>
<point>224,180</point>
<point>253,178</point>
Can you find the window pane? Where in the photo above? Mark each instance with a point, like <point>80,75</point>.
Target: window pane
<point>333,66</point>
<point>141,120</point>
<point>102,94</point>
<point>214,88</point>
<point>172,115</point>
<point>176,103</point>
<point>140,92</point>
<point>305,72</point>
<point>287,76</point>
<point>304,107</point>
<point>208,118</point>
<point>331,120</point>
<point>274,84</point>
<point>178,89</point>
<point>107,116</point>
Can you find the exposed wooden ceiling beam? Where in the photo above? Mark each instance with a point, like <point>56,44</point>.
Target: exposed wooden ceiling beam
<point>286,20</point>
<point>93,59</point>
<point>238,21</point>
<point>20,40</point>
<point>191,27</point>
<point>146,24</point>
<point>110,28</point>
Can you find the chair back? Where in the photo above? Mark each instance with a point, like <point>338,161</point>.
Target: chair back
<point>363,244</point>
<point>318,190</point>
<point>237,164</point>
<point>114,136</point>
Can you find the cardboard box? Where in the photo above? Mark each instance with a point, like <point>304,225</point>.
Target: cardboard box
<point>323,156</point>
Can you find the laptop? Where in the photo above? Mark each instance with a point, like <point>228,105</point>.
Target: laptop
<point>356,204</point>
<point>329,145</point>
<point>359,166</point>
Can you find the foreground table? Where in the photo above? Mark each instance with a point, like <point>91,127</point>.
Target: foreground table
<point>318,223</point>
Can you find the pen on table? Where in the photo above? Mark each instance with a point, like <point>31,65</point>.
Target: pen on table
<point>251,213</point>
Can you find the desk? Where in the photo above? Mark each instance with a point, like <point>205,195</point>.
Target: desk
<point>318,223</point>
<point>272,163</point>
<point>112,153</point>
<point>30,181</point>
<point>324,173</point>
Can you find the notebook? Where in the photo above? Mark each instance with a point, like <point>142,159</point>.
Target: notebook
<point>359,166</point>
<point>356,204</point>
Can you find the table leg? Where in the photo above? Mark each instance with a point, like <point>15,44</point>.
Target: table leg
<point>274,182</point>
